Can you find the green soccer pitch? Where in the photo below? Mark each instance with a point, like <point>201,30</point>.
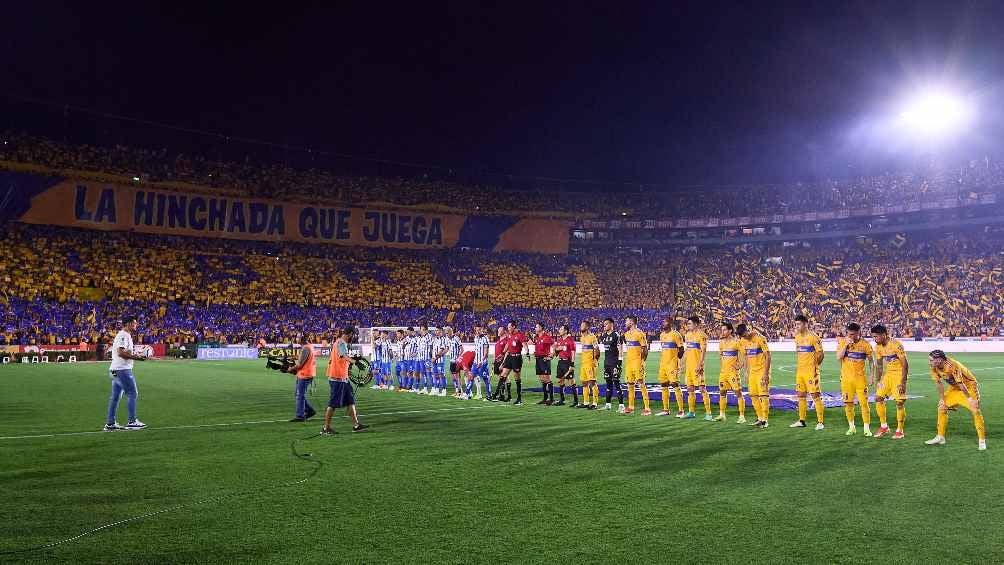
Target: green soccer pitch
<point>450,481</point>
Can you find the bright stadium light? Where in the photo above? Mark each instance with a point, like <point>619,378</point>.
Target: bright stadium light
<point>936,113</point>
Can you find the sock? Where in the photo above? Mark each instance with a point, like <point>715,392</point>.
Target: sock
<point>610,390</point>
<point>723,401</point>
<point>631,396</point>
<point>620,391</point>
<point>755,401</point>
<point>586,389</point>
<point>706,398</point>
<point>488,385</point>
<point>561,392</point>
<point>981,428</point>
<point>817,401</point>
<point>519,389</point>
<point>575,394</point>
<point>742,403</point>
<point>596,393</point>
<point>866,413</point>
<point>646,402</point>
<point>900,416</point>
<point>849,412</point>
<point>881,411</point>
<point>765,407</point>
<point>803,408</point>
<point>943,422</point>
<point>665,399</point>
<point>691,401</point>
<point>679,398</point>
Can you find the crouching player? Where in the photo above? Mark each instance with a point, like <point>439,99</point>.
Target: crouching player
<point>962,391</point>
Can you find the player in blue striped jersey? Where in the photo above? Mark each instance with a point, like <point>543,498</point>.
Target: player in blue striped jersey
<point>438,359</point>
<point>424,359</point>
<point>482,348</point>
<point>454,348</point>
<point>376,366</point>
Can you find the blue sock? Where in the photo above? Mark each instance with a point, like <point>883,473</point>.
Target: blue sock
<point>488,385</point>
<point>470,387</point>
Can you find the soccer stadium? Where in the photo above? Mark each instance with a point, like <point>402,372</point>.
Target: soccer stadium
<point>360,299</point>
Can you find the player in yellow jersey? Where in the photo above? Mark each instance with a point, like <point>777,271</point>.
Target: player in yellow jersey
<point>669,367</point>
<point>808,357</point>
<point>587,372</point>
<point>754,345</point>
<point>635,355</point>
<point>857,373</point>
<point>962,390</point>
<point>891,370</point>
<point>695,348</point>
<point>729,378</point>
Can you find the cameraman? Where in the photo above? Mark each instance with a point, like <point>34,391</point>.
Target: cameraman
<point>305,369</point>
<point>338,380</point>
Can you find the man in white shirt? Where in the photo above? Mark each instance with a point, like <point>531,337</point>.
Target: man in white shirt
<point>122,378</point>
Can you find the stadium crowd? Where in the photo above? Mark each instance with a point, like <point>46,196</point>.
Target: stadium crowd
<point>281,181</point>
<point>61,285</point>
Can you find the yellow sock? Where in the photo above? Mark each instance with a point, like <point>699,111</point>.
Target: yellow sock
<point>802,408</point>
<point>742,403</point>
<point>981,428</point>
<point>817,401</point>
<point>942,422</point>
<point>756,407</point>
<point>707,401</point>
<point>866,412</point>
<point>880,410</point>
<point>765,407</point>
<point>596,394</point>
<point>900,416</point>
<point>644,396</point>
<point>849,411</point>
<point>723,401</point>
<point>679,398</point>
<point>692,400</point>
<point>585,394</point>
<point>665,399</point>
<point>631,396</point>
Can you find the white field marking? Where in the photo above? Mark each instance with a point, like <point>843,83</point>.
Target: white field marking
<point>227,424</point>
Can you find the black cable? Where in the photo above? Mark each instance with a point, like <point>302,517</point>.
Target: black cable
<point>308,457</point>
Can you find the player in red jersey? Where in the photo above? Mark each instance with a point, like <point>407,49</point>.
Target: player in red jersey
<point>501,391</point>
<point>565,349</point>
<point>512,360</point>
<point>542,344</point>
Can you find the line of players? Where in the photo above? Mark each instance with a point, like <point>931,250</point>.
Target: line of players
<point>744,357</point>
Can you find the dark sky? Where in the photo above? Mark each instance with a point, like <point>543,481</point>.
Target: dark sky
<point>652,92</point>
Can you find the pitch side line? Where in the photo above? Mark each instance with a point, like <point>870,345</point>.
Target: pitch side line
<point>249,423</point>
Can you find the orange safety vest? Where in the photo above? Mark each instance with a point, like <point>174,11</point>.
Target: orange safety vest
<point>309,369</point>
<point>338,367</point>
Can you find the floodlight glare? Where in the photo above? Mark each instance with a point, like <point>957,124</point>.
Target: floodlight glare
<point>936,113</point>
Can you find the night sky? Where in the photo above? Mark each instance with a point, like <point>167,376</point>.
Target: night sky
<point>674,93</point>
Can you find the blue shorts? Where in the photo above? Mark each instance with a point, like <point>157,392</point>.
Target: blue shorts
<point>480,370</point>
<point>399,368</point>
<point>341,394</point>
<point>438,367</point>
<point>426,366</point>
<point>386,367</point>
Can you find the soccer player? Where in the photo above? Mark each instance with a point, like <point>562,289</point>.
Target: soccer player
<point>891,370</point>
<point>341,388</point>
<point>515,346</point>
<point>963,390</point>
<point>542,344</point>
<point>565,349</point>
<point>808,357</point>
<point>454,348</point>
<point>411,361</point>
<point>123,380</point>
<point>729,377</point>
<point>857,362</point>
<point>397,358</point>
<point>439,348</point>
<point>669,367</point>
<point>754,345</point>
<point>502,392</point>
<point>377,357</point>
<point>635,356</point>
<point>611,341</point>
<point>480,369</point>
<point>424,359</point>
<point>696,347</point>
<point>590,359</point>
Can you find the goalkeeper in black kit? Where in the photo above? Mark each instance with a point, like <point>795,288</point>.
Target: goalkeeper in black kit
<point>612,341</point>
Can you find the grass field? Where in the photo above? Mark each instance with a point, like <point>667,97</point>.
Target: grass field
<point>447,481</point>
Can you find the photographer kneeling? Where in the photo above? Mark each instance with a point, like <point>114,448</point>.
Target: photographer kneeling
<point>341,388</point>
<point>305,369</point>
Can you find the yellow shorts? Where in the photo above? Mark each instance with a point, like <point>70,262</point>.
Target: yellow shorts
<point>588,372</point>
<point>693,379</point>
<point>955,397</point>
<point>889,387</point>
<point>669,375</point>
<point>850,386</point>
<point>729,382</point>
<point>756,387</point>
<point>634,374</point>
<point>807,383</point>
